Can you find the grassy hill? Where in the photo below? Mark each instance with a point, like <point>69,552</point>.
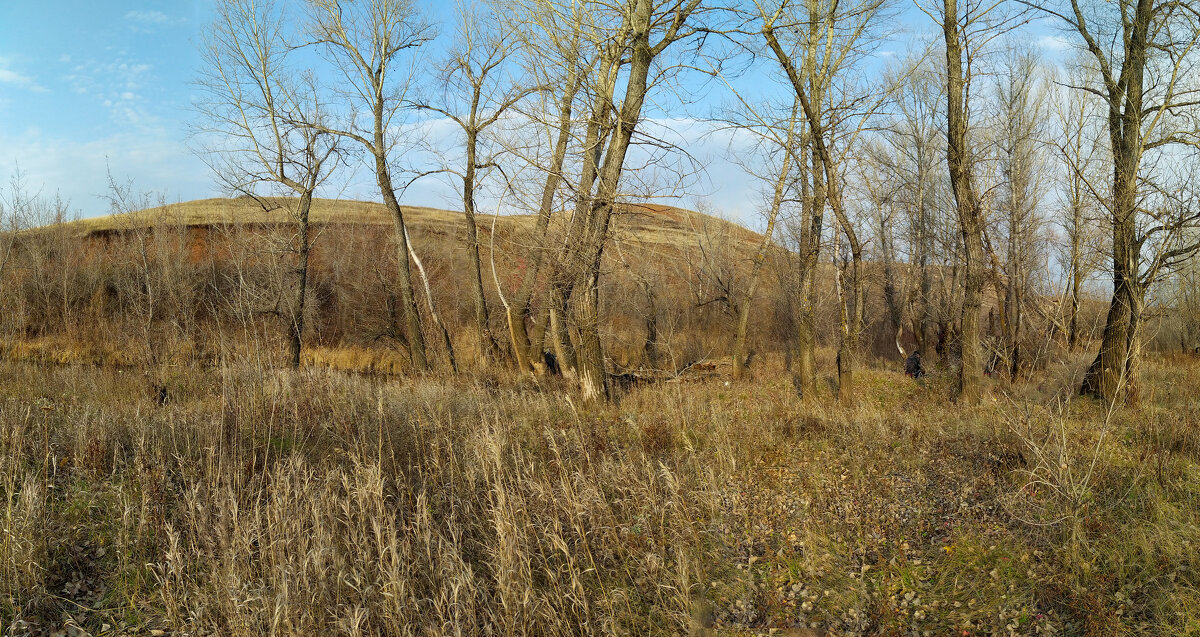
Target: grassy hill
<point>649,224</point>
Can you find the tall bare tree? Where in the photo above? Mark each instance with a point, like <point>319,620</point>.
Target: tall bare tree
<point>1144,54</point>
<point>831,38</point>
<point>779,138</point>
<point>552,42</point>
<point>1079,143</point>
<point>369,42</point>
<point>909,156</point>
<point>1021,98</point>
<point>254,108</point>
<point>478,89</point>
<point>964,34</point>
<point>643,30</point>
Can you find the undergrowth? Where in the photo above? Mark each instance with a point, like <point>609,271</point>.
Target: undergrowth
<point>248,501</point>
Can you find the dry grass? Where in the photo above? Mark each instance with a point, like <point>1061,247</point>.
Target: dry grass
<point>646,224</point>
<point>261,502</point>
<point>266,502</point>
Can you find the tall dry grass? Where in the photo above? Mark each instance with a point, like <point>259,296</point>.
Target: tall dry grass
<point>257,501</point>
<point>262,502</point>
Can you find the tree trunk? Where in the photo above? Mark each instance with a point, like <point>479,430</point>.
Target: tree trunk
<point>296,327</point>
<point>811,228</point>
<point>1073,329</point>
<point>1125,113</point>
<point>589,356</point>
<point>852,321</point>
<point>412,318</point>
<point>561,340</point>
<point>523,349</point>
<point>488,348</point>
<point>890,297</point>
<point>437,321</point>
<point>760,257</point>
<point>967,200</point>
<point>650,347</point>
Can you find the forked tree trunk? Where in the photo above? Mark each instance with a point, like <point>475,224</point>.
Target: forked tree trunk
<point>851,322</point>
<point>526,349</point>
<point>585,302</point>
<point>1115,369</point>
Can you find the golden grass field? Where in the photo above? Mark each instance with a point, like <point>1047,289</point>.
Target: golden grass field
<point>258,501</point>
<point>643,223</point>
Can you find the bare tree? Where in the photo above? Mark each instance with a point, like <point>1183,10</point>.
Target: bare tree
<point>552,41</point>
<point>478,91</point>
<point>832,38</point>
<point>369,41</point>
<point>1184,296</point>
<point>12,212</point>
<point>256,105</point>
<point>782,137</point>
<point>1021,99</point>
<point>1077,146</point>
<point>641,33</point>
<point>964,34</point>
<point>1144,55</point>
<point>885,197</point>
<point>911,149</point>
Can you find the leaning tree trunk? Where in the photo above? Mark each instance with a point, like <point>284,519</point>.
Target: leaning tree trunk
<point>408,300</point>
<point>526,348</point>
<point>760,257</point>
<point>589,355</point>
<point>851,321</point>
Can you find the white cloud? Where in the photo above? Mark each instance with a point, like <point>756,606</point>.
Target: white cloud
<point>78,171</point>
<point>145,21</point>
<point>115,85</point>
<point>1054,43</point>
<point>19,80</point>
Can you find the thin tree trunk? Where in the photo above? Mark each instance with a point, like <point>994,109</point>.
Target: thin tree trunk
<point>437,321</point>
<point>760,257</point>
<point>650,347</point>
<point>1073,330</point>
<point>812,225</point>
<point>297,323</point>
<point>488,348</point>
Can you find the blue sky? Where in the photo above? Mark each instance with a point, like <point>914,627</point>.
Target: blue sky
<point>82,82</point>
<point>87,84</point>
